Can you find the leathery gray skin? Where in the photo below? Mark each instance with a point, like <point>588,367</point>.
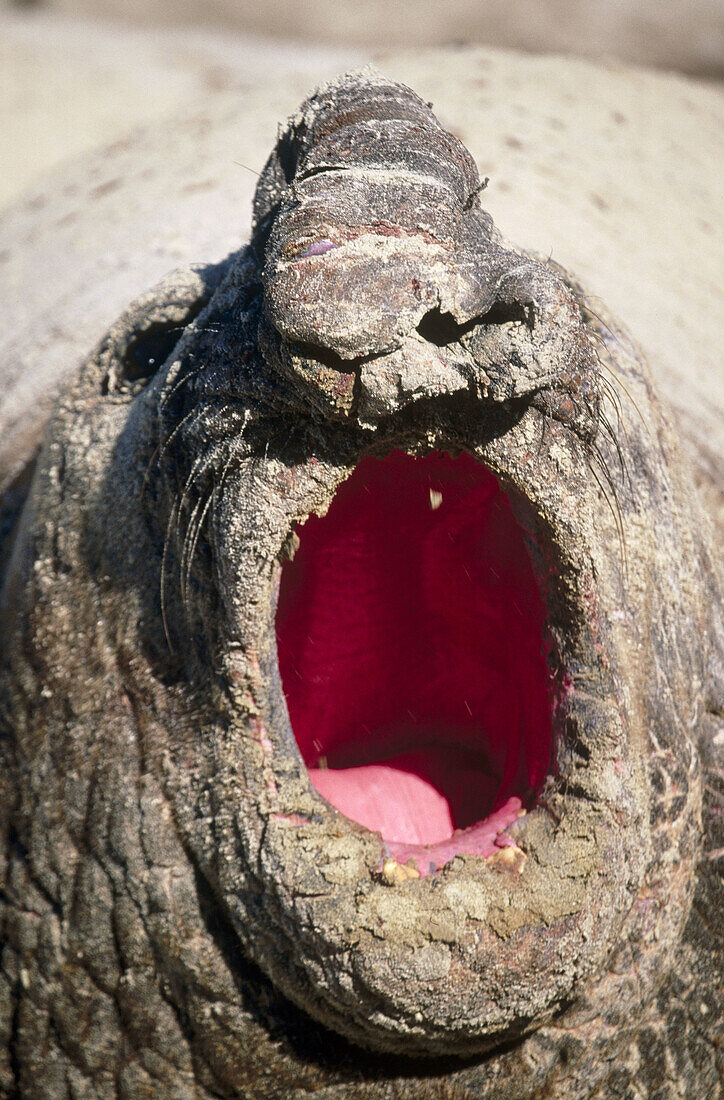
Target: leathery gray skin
<point>183,914</point>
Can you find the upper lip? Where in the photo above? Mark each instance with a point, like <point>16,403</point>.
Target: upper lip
<point>504,326</point>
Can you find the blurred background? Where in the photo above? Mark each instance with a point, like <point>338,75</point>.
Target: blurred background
<point>680,34</point>
<point>76,73</point>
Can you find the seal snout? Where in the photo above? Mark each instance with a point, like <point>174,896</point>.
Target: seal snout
<point>394,315</point>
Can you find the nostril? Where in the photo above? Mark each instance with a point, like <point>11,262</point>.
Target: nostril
<point>442,329</point>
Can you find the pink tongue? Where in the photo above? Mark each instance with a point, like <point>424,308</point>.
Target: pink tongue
<point>403,807</point>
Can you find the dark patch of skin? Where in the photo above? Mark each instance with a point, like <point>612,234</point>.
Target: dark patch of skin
<point>169,927</point>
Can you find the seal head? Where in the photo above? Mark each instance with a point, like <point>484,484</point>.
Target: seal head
<point>372,614</point>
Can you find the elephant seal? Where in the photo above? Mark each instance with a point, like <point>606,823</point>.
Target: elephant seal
<point>360,671</point>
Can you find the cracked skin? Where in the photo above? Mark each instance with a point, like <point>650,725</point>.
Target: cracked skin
<point>183,913</point>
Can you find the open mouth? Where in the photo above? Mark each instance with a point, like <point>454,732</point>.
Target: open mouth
<point>448,651</point>
<point>414,657</point>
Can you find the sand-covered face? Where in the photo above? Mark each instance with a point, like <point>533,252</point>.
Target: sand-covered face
<point>413,517</point>
<point>430,816</point>
<point>383,549</point>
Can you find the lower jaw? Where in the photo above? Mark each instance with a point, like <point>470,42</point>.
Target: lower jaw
<point>377,798</point>
<point>414,656</point>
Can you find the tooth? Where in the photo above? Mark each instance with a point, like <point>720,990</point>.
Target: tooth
<point>394,873</point>
<point>511,858</point>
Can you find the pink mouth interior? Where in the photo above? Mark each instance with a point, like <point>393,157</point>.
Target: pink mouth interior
<point>412,650</point>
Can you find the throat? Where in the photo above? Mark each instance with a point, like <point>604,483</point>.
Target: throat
<point>413,650</point>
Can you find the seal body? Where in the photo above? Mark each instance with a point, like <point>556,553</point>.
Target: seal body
<point>214,885</point>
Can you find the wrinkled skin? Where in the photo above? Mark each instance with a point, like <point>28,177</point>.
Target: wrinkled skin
<point>184,915</point>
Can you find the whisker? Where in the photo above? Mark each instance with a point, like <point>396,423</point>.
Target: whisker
<point>620,382</point>
<point>619,337</point>
<point>612,394</point>
<point>241,164</point>
<point>164,575</point>
<point>615,512</point>
<point>237,446</point>
<point>192,412</point>
<point>186,377</point>
<point>199,462</point>
<point>607,366</point>
<point>194,544</point>
<point>188,536</point>
<point>621,460</point>
<point>151,461</point>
